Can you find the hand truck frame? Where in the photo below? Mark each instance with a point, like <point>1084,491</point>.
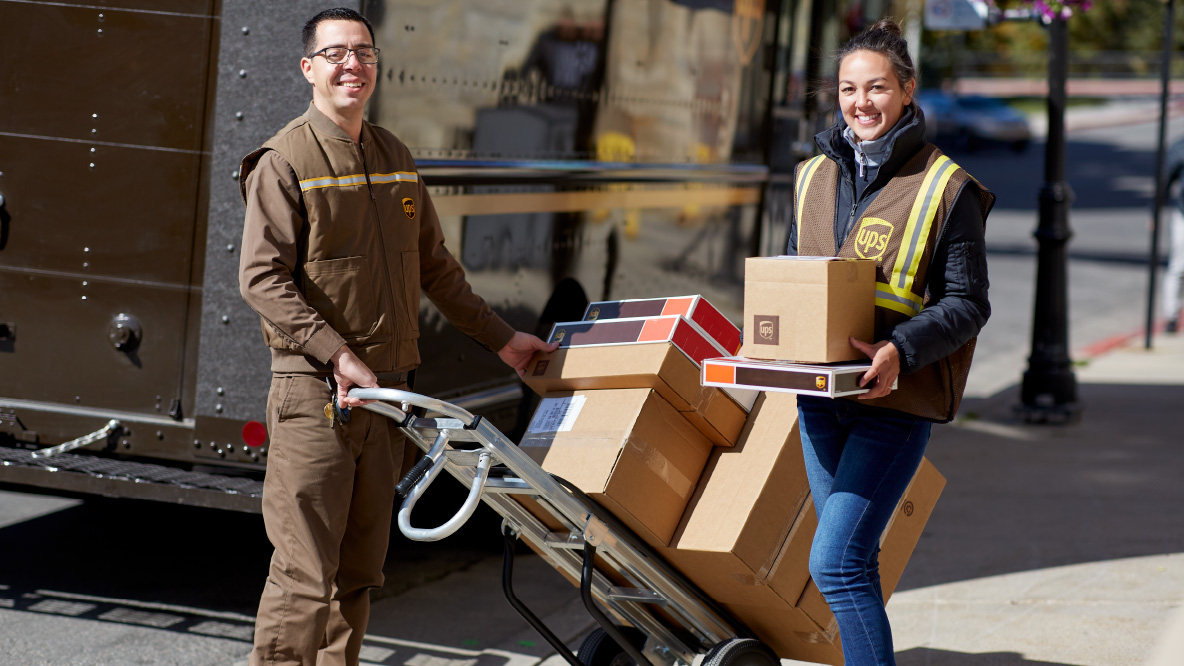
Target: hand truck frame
<point>689,623</point>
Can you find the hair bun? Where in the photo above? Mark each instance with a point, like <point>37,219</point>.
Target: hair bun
<point>889,26</point>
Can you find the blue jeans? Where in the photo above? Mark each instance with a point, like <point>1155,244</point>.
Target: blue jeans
<point>859,462</point>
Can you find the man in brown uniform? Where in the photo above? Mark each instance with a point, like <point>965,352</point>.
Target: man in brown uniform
<point>339,240</point>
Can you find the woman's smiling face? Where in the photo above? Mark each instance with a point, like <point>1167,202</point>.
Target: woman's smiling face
<point>871,97</point>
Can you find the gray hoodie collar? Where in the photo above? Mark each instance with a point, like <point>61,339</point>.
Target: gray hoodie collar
<point>868,153</point>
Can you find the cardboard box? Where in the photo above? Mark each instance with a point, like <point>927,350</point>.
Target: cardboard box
<point>804,308</point>
<point>745,537</point>
<point>675,329</point>
<point>766,584</point>
<point>828,381</point>
<point>791,633</point>
<point>627,449</point>
<point>659,366</point>
<point>696,308</point>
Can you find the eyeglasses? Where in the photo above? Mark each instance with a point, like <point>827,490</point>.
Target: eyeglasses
<point>335,55</point>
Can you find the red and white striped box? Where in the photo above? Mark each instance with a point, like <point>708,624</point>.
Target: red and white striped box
<point>695,308</point>
<point>829,381</point>
<point>676,329</point>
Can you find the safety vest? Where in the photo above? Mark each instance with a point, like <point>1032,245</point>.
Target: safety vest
<point>899,230</point>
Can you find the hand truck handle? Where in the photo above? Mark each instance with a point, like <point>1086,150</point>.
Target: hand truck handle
<point>412,477</point>
<point>408,398</point>
<point>462,515</point>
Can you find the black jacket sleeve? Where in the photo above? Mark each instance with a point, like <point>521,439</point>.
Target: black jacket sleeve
<point>957,305</point>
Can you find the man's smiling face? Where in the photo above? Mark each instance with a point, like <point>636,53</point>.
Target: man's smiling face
<point>340,90</point>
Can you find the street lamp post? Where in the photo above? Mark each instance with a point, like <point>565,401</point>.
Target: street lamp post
<point>1049,388</point>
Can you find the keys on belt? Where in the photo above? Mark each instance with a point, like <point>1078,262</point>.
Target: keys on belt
<point>334,412</point>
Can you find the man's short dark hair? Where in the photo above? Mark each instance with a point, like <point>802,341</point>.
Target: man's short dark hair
<point>309,34</point>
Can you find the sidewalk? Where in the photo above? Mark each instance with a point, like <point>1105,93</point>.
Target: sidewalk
<point>1115,112</point>
<point>1056,545</point>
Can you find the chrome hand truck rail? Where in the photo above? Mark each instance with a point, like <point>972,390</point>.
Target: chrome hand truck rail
<point>591,540</point>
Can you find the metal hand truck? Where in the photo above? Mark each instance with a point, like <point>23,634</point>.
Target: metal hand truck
<point>670,621</point>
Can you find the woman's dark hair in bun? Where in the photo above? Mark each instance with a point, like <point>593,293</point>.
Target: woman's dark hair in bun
<point>885,38</point>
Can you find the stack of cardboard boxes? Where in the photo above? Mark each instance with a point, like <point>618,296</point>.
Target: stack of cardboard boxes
<point>714,482</point>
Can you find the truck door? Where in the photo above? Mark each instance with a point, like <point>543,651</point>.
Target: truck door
<point>103,149</point>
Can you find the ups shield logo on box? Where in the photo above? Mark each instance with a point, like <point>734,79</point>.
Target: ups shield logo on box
<point>767,330</point>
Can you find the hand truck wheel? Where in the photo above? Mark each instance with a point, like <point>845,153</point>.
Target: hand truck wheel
<point>599,649</point>
<point>741,652</point>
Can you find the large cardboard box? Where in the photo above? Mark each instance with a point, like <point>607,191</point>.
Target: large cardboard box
<point>805,308</point>
<point>741,536</point>
<point>785,628</point>
<point>661,366</point>
<point>696,308</point>
<point>627,449</point>
<point>791,633</point>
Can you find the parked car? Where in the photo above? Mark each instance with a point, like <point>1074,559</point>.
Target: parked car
<point>971,121</point>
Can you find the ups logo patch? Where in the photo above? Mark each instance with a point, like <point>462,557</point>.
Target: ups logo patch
<point>872,238</point>
<point>409,208</point>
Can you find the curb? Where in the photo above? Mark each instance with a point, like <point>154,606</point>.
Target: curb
<point>1106,345</point>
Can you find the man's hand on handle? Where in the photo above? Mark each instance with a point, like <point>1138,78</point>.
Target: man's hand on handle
<point>885,367</point>
<point>521,348</point>
<point>348,372</point>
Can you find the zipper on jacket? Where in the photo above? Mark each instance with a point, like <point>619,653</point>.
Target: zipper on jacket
<point>850,223</point>
<point>390,294</point>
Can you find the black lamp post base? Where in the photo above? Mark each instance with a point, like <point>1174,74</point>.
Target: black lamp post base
<point>1049,397</point>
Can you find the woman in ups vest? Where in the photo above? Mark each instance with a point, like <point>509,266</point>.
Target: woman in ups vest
<point>880,191</point>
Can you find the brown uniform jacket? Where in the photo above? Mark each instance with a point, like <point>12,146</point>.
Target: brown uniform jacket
<point>338,242</point>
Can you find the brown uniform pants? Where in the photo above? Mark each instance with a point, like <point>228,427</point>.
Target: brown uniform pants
<point>327,502</point>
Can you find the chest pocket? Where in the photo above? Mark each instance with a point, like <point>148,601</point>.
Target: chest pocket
<point>342,293</point>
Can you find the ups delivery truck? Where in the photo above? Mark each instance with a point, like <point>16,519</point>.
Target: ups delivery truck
<point>575,149</point>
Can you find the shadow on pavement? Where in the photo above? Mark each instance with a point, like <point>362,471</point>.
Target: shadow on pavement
<point>1027,497</point>
<point>931,657</point>
<point>207,559</point>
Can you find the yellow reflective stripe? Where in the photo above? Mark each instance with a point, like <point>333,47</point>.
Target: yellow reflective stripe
<point>804,178</point>
<point>398,176</point>
<point>314,183</point>
<point>916,232</point>
<point>900,300</point>
<point>358,179</point>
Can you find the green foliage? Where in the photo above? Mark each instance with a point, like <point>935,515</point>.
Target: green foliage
<point>1113,37</point>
